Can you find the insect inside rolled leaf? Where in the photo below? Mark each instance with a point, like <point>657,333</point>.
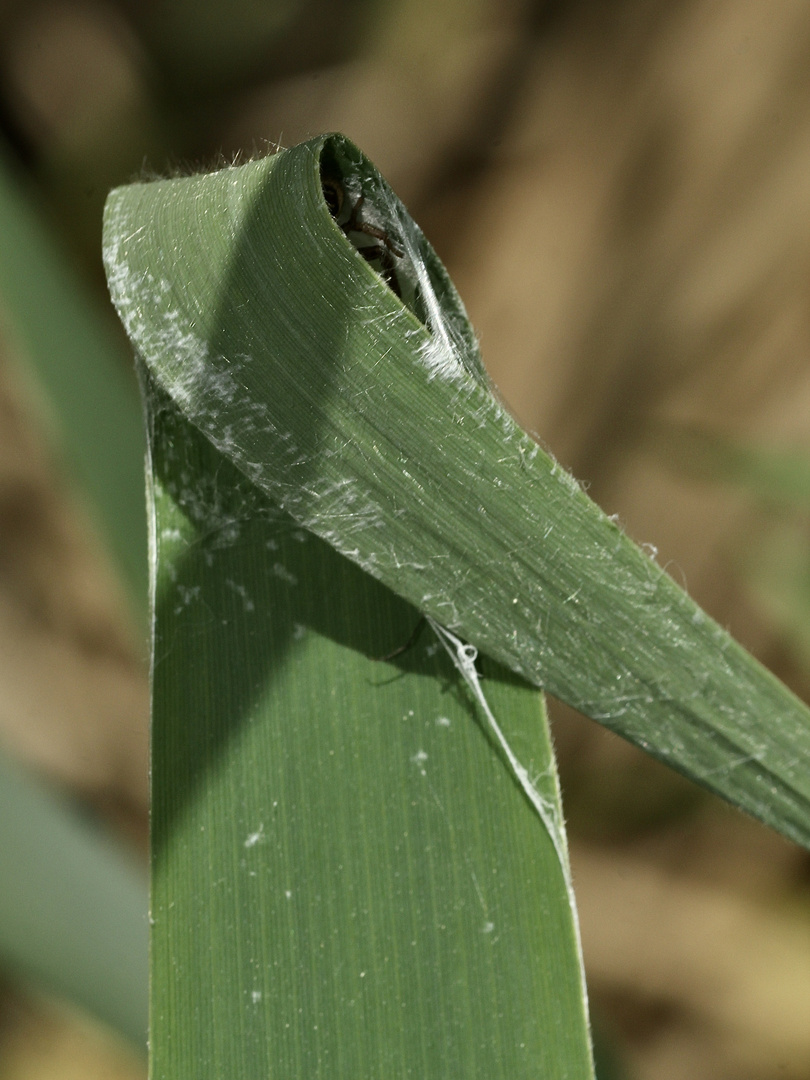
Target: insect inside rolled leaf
<point>371,241</point>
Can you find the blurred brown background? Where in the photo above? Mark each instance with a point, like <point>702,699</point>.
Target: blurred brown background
<point>621,192</point>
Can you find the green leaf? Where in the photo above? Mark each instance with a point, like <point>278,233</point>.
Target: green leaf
<point>348,878</point>
<point>779,580</point>
<point>81,369</point>
<point>775,562</point>
<point>73,911</point>
<point>367,419</point>
<point>776,477</point>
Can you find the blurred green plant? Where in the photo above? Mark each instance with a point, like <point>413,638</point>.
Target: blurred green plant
<point>776,569</point>
<point>73,909</point>
<point>64,341</point>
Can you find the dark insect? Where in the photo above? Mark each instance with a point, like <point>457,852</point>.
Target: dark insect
<point>409,644</point>
<point>384,252</point>
<point>412,640</point>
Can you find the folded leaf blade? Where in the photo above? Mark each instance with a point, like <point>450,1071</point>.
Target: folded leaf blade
<point>369,421</point>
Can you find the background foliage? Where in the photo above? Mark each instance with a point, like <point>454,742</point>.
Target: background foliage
<point>619,191</point>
